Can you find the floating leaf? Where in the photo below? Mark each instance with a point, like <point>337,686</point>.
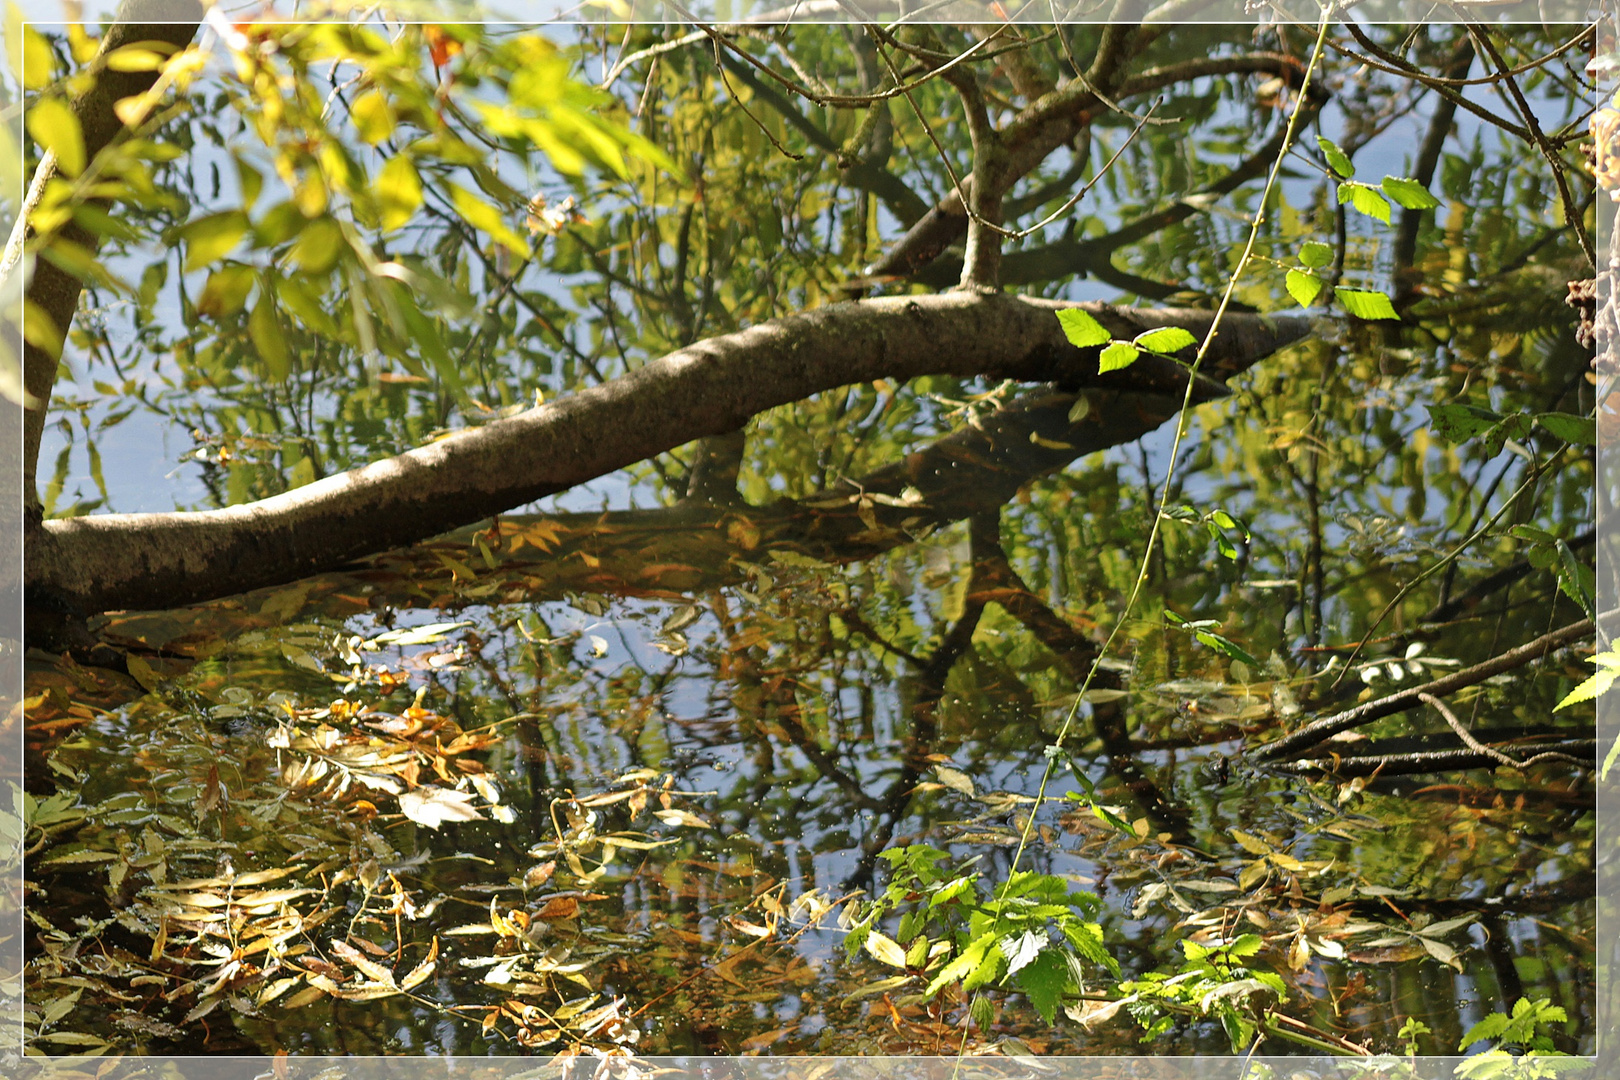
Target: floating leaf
<point>681,817</point>
<point>955,780</point>
<point>433,806</point>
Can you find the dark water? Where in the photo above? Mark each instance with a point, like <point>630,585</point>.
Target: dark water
<point>763,750</point>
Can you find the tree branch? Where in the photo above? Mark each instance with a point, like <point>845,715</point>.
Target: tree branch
<point>1322,729</point>
<point>103,562</point>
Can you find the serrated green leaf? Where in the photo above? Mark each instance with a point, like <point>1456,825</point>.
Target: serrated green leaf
<point>1409,193</point>
<point>1044,981</point>
<point>1166,339</point>
<point>1337,160</point>
<point>1116,356</point>
<point>1303,287</point>
<point>1082,330</point>
<point>1365,303</point>
<point>1581,430</point>
<point>1366,199</point>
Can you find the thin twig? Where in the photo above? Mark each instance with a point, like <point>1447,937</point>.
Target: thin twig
<point>1326,727</point>
<point>1490,752</point>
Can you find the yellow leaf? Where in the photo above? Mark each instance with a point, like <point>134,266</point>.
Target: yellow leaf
<point>681,817</point>
<point>886,949</point>
<point>56,128</point>
<point>373,119</point>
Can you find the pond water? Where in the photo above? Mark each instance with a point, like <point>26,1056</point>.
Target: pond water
<point>471,804</point>
<point>629,774</point>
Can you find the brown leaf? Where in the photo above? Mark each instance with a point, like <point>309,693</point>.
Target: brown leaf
<point>562,907</point>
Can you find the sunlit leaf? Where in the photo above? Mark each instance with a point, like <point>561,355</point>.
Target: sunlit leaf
<point>56,128</point>
<point>1409,193</point>
<point>1365,303</point>
<point>433,806</point>
<point>1116,356</point>
<point>1303,287</point>
<point>1082,328</point>
<point>1166,339</point>
<point>1337,160</point>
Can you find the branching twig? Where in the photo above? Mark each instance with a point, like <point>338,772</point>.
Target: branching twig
<point>1490,752</point>
<point>1319,730</point>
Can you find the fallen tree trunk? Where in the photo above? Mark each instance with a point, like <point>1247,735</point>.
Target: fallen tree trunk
<point>141,561</point>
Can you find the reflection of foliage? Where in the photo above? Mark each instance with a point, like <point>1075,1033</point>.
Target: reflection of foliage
<point>347,310</point>
<point>1029,932</point>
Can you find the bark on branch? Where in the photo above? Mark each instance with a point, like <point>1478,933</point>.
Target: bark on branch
<point>122,561</point>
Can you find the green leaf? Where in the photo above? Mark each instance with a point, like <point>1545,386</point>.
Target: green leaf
<point>1459,423</point>
<point>56,128</point>
<point>1044,981</point>
<point>135,57</point>
<point>1366,199</point>
<point>1409,193</point>
<point>1488,1028</point>
<point>962,966</point>
<point>265,330</point>
<point>1337,160</point>
<point>1116,356</point>
<point>1303,287</point>
<point>318,246</point>
<point>1316,254</point>
<point>210,238</point>
<point>1365,303</point>
<point>1224,647</point>
<point>399,192</point>
<point>1576,580</point>
<point>485,217</point>
<point>1166,339</point>
<point>226,291</point>
<point>1082,330</point>
<point>1581,430</point>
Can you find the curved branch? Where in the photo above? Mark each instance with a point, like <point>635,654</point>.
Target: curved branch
<point>103,562</point>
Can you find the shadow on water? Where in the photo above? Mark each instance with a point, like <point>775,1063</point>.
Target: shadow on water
<point>615,780</point>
